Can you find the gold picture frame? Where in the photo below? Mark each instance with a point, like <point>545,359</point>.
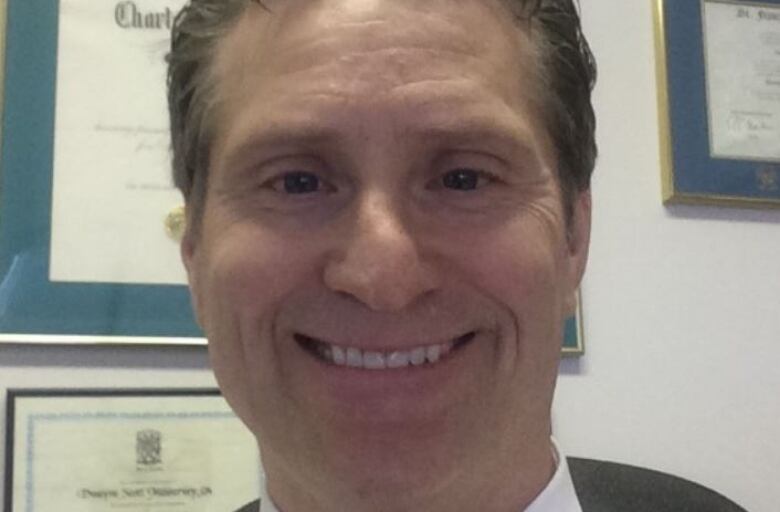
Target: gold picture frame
<point>692,173</point>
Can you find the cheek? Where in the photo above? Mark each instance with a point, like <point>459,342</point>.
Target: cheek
<point>250,270</point>
<point>520,268</point>
<point>519,264</point>
<point>246,275</point>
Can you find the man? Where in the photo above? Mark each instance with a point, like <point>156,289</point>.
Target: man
<point>388,217</point>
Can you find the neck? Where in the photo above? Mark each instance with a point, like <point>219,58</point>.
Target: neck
<point>494,487</point>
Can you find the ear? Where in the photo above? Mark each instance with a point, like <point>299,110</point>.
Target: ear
<point>578,241</point>
<point>189,255</point>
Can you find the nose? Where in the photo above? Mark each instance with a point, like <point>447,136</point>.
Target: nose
<point>378,261</point>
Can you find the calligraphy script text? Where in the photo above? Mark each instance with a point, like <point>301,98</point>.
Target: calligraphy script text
<point>129,16</point>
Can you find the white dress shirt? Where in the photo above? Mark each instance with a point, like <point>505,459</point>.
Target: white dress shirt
<point>558,496</point>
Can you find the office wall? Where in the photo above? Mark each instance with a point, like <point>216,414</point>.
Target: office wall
<point>682,314</point>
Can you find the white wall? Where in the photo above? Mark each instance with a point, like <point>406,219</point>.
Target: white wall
<point>682,314</point>
<point>682,305</point>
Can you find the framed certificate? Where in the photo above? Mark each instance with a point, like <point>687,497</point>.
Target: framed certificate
<point>719,96</point>
<point>135,450</point>
<point>86,189</point>
<point>86,200</point>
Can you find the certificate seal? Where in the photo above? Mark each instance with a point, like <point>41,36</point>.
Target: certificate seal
<point>175,223</point>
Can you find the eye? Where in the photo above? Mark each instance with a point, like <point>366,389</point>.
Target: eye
<point>297,183</point>
<point>464,179</point>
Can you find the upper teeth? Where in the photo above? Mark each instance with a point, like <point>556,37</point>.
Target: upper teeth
<point>375,360</point>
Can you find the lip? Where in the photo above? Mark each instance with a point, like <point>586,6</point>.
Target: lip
<point>389,393</point>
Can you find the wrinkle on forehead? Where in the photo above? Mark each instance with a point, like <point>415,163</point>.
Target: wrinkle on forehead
<point>302,34</point>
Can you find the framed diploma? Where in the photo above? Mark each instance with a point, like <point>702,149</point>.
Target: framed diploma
<point>719,96</point>
<point>86,202</point>
<point>88,212</point>
<point>127,450</point>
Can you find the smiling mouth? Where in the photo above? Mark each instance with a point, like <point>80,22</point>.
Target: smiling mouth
<point>352,357</point>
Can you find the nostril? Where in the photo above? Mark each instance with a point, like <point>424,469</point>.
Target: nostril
<point>381,276</point>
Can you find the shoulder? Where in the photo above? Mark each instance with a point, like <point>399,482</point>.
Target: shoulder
<point>250,507</point>
<point>608,486</point>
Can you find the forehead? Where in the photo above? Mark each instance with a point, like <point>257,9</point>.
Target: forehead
<point>311,57</point>
<point>285,34</point>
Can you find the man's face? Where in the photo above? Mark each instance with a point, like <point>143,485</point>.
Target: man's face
<point>382,194</point>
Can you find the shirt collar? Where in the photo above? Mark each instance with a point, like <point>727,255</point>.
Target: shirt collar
<point>558,496</point>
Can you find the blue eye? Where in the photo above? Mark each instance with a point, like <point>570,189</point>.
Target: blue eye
<point>462,179</point>
<point>301,183</point>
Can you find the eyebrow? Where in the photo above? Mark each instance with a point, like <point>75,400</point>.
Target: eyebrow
<point>499,135</point>
<point>287,135</point>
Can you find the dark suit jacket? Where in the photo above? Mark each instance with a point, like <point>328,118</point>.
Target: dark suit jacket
<point>612,487</point>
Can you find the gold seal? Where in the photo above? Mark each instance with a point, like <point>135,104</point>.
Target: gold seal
<point>175,223</point>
